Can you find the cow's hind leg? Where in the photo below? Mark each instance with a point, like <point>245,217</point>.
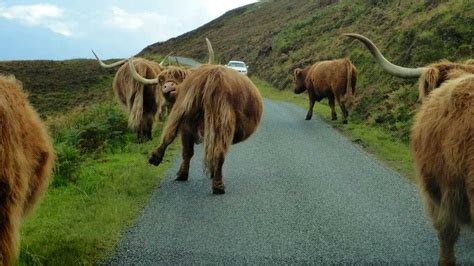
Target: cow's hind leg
<point>448,228</point>
<point>149,127</point>
<point>187,140</point>
<point>144,129</point>
<point>333,108</point>
<point>140,135</point>
<point>218,187</point>
<point>9,223</point>
<point>345,113</point>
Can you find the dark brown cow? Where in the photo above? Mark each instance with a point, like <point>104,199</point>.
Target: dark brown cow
<point>26,161</point>
<point>215,105</point>
<point>442,142</point>
<point>334,79</point>
<point>144,103</point>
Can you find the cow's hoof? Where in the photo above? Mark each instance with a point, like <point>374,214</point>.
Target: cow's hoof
<point>308,118</point>
<point>334,118</point>
<point>447,262</point>
<point>218,191</point>
<point>182,178</point>
<point>155,160</point>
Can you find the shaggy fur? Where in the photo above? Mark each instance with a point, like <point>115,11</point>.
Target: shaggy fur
<point>26,159</point>
<point>442,141</point>
<point>440,72</point>
<point>144,103</point>
<point>215,105</point>
<point>335,80</point>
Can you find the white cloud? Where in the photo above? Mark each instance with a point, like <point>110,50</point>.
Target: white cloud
<point>43,15</point>
<point>128,21</point>
<point>148,23</point>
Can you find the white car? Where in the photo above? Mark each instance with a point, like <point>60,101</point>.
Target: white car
<point>238,66</point>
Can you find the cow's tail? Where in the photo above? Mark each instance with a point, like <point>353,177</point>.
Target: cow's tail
<point>135,106</point>
<point>349,97</point>
<point>219,121</point>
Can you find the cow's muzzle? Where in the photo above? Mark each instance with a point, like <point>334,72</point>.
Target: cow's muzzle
<point>169,91</point>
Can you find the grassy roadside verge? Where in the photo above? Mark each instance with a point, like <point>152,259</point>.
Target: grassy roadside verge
<point>101,182</point>
<point>393,152</point>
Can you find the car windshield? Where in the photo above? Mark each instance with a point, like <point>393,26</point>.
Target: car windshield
<point>236,64</point>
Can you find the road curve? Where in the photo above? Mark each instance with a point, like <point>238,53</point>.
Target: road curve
<point>298,192</point>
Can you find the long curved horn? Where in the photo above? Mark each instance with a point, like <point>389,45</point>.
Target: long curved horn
<point>102,64</point>
<point>164,59</point>
<point>137,76</point>
<point>393,69</point>
<point>211,51</point>
<point>177,62</point>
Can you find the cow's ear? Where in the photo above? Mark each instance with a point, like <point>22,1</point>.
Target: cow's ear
<point>298,72</point>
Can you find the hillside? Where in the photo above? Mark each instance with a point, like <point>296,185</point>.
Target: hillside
<point>60,86</point>
<point>274,37</point>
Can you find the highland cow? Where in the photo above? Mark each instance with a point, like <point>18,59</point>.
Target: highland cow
<point>442,142</point>
<point>334,79</point>
<point>26,159</point>
<point>214,105</point>
<point>167,80</point>
<point>144,103</point>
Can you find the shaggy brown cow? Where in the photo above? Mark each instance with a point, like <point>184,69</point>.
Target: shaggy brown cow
<point>26,161</point>
<point>335,80</point>
<point>442,141</point>
<point>216,105</point>
<point>144,103</point>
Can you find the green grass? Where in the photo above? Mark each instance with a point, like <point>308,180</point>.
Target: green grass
<point>395,153</point>
<point>81,219</point>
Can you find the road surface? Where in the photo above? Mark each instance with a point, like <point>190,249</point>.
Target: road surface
<point>298,192</point>
<point>184,61</point>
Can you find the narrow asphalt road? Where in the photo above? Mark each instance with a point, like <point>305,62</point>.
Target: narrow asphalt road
<point>298,192</point>
<point>184,61</point>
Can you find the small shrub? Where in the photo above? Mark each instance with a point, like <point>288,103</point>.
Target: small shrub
<point>67,163</point>
<point>85,132</point>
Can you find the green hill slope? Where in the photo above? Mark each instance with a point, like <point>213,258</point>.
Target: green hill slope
<point>275,37</point>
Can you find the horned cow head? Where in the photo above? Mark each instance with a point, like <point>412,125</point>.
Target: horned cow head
<point>430,77</point>
<point>169,79</point>
<point>300,76</point>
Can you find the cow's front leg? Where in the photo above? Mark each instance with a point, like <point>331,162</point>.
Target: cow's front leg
<point>187,139</point>
<point>311,107</point>
<point>218,187</point>
<point>169,134</point>
<point>333,108</point>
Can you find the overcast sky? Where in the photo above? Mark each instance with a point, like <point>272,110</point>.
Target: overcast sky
<point>63,29</point>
